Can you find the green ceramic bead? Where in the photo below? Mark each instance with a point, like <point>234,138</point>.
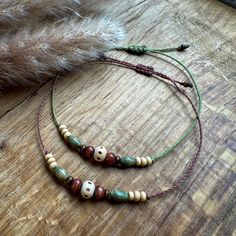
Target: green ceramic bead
<point>119,196</point>
<point>74,141</point>
<point>60,173</point>
<point>127,161</point>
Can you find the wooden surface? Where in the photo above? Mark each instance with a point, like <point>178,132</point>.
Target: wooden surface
<point>134,115</point>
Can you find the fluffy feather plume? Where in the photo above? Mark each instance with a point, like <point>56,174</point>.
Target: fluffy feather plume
<point>17,12</point>
<point>29,57</point>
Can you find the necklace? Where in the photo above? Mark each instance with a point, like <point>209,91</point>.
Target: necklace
<point>88,190</point>
<point>108,158</point>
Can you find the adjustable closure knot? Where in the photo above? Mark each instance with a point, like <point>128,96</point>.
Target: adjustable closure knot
<point>144,70</point>
<point>137,49</point>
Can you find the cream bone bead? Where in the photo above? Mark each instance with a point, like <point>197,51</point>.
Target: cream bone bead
<point>137,196</point>
<point>50,160</point>
<point>48,156</point>
<point>88,189</point>
<point>143,197</point>
<point>138,161</point>
<point>67,134</point>
<point>149,161</point>
<point>131,196</point>
<point>143,161</point>
<point>100,153</point>
<point>52,165</point>
<point>61,127</point>
<point>64,131</point>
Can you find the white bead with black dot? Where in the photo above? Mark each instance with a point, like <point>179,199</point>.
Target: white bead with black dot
<point>100,153</point>
<point>87,189</point>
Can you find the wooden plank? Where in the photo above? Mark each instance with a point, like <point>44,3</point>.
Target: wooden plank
<point>136,115</point>
<point>9,100</point>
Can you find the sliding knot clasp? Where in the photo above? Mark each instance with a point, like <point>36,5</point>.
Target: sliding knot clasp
<point>144,70</point>
<point>136,49</point>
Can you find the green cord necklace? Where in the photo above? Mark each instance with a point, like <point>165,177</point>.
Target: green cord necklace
<point>100,154</point>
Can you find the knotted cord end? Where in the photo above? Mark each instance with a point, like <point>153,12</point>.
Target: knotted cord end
<point>182,47</point>
<point>186,84</point>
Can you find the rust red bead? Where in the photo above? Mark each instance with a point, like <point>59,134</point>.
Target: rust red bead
<point>110,159</point>
<point>100,193</point>
<point>87,152</point>
<point>76,185</point>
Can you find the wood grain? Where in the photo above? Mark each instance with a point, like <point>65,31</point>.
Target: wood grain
<point>131,114</point>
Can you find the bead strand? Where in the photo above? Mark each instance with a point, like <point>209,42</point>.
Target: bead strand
<point>137,196</point>
<point>100,153</point>
<point>143,161</point>
<point>64,131</point>
<point>88,190</point>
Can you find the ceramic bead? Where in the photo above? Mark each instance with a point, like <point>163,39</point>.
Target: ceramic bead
<point>74,141</point>
<point>76,186</point>
<point>119,196</point>
<point>60,173</point>
<point>48,156</point>
<point>61,127</point>
<point>100,193</point>
<point>127,161</point>
<point>87,189</point>
<point>100,153</point>
<point>110,159</point>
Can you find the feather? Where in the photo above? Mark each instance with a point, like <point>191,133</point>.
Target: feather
<point>17,12</point>
<point>30,56</point>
